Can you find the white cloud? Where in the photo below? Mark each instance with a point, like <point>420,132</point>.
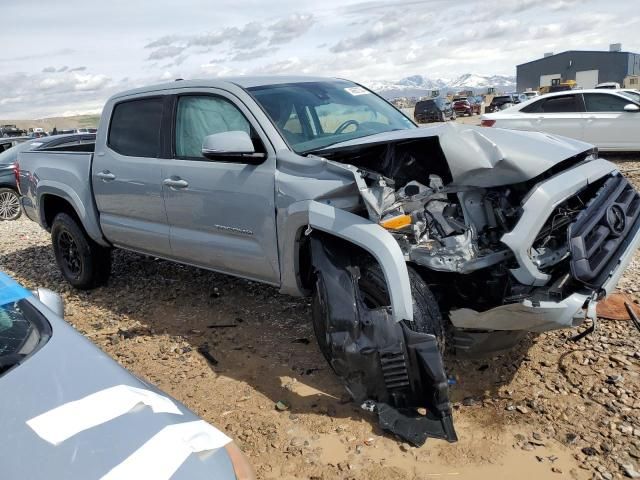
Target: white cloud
<point>123,46</point>
<point>291,27</point>
<point>166,52</point>
<point>385,29</point>
<point>90,82</point>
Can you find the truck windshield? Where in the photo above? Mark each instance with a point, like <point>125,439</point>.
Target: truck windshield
<point>314,115</point>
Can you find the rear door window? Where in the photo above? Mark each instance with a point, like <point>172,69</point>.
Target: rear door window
<point>135,128</point>
<point>561,104</point>
<point>602,102</point>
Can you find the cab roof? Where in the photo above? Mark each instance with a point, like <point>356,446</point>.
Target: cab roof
<point>243,82</point>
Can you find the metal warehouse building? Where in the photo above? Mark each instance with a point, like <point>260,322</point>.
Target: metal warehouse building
<point>587,68</point>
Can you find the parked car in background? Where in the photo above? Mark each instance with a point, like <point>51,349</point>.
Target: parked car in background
<point>528,95</point>
<point>434,110</point>
<point>86,130</point>
<point>631,93</point>
<point>324,189</point>
<point>68,411</point>
<point>9,199</point>
<point>608,119</point>
<point>608,85</point>
<point>466,106</point>
<point>9,142</point>
<point>500,102</point>
<point>10,131</point>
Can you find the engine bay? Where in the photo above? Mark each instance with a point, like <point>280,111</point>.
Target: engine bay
<point>454,229</point>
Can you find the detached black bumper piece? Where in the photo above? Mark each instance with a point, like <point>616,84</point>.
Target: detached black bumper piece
<point>380,361</point>
<point>603,230</point>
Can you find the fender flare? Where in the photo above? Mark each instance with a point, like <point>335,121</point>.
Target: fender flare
<point>87,218</point>
<point>352,228</point>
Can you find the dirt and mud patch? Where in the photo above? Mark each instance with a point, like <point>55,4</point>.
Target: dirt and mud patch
<point>244,358</point>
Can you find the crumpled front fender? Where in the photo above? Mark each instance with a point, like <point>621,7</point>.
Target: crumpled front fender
<point>354,229</point>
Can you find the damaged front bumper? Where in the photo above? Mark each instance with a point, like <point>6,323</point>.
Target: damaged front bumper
<point>536,314</point>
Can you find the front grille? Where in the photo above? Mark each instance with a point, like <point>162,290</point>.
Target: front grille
<point>603,230</point>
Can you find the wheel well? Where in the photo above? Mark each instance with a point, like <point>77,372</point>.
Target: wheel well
<point>52,205</point>
<point>305,263</point>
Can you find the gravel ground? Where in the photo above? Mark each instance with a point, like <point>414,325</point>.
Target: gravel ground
<point>548,409</point>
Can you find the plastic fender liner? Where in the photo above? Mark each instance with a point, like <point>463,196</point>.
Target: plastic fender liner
<point>380,361</point>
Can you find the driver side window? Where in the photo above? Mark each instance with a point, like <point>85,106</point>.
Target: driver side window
<point>602,102</point>
<point>200,116</point>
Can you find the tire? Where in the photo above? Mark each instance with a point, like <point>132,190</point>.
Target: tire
<point>426,312</point>
<point>9,204</point>
<point>83,263</point>
<point>373,287</point>
<point>319,319</point>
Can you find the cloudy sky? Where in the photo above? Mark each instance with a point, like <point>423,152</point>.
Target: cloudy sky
<point>68,56</point>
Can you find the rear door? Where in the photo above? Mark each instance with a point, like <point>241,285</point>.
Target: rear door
<point>127,177</point>
<point>221,213</point>
<point>560,115</point>
<point>608,125</point>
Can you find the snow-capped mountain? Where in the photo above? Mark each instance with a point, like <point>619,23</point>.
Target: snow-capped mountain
<point>472,80</point>
<point>418,85</point>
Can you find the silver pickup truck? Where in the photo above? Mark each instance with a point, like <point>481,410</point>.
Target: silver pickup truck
<point>407,238</point>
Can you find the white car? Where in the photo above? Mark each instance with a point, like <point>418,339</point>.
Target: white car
<point>608,119</point>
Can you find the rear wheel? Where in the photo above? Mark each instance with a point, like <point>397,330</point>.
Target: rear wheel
<point>9,204</point>
<point>83,263</point>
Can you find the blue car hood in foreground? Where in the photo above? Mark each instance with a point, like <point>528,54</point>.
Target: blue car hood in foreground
<point>47,437</point>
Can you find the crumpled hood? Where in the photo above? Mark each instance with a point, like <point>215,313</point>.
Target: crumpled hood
<point>486,157</point>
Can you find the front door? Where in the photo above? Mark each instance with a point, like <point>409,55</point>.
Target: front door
<point>559,115</point>
<point>127,178</point>
<point>222,215</point>
<point>608,125</point>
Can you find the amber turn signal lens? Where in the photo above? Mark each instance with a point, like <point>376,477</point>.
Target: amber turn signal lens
<point>397,222</point>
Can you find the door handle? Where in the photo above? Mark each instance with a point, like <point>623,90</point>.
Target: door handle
<point>106,176</point>
<point>175,182</point>
<point>539,119</point>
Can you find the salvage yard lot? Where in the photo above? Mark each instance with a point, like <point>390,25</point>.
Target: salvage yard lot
<point>542,411</point>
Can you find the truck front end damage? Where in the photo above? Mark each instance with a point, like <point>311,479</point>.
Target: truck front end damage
<point>385,366</point>
<point>514,232</point>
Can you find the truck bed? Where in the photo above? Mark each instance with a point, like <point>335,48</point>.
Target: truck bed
<point>66,174</point>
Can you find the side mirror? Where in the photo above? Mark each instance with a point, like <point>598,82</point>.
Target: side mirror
<point>631,107</point>
<point>51,300</point>
<point>234,146</point>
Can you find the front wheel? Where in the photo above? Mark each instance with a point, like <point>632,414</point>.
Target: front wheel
<point>375,294</point>
<point>83,263</point>
<point>9,204</point>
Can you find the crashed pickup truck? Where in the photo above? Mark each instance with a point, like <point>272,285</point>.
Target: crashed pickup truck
<point>409,240</point>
